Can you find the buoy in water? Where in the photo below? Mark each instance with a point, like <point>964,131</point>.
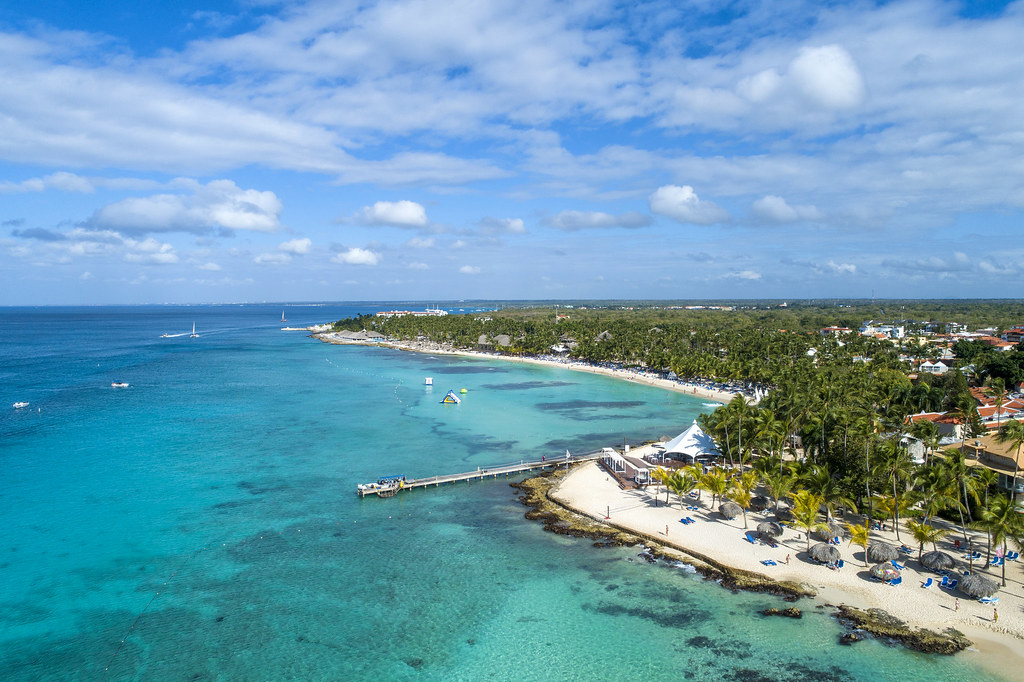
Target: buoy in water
<point>463,391</point>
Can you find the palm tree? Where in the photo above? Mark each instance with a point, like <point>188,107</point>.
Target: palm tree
<point>1012,432</point>
<point>895,465</point>
<point>860,536</point>
<point>938,490</point>
<point>820,481</point>
<point>1003,523</point>
<point>681,482</point>
<point>779,485</point>
<point>662,476</point>
<point>805,510</point>
<point>742,490</point>
<point>715,482</point>
<point>923,533</point>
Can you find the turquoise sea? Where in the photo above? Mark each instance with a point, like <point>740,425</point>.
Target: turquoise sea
<point>202,524</point>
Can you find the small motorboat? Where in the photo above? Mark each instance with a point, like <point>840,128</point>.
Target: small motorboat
<point>119,384</point>
<point>18,406</point>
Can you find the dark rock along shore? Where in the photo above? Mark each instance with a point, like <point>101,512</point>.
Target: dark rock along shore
<point>559,519</point>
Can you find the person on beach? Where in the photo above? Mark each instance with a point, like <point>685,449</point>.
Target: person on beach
<point>995,615</point>
<point>956,604</point>
<point>787,560</point>
<point>666,531</point>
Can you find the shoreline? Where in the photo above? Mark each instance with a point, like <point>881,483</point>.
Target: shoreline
<point>925,614</point>
<point>711,394</point>
<point>996,644</point>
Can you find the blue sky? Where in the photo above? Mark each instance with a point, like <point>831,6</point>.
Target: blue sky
<point>254,150</point>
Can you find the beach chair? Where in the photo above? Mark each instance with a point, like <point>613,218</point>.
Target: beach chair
<point>897,581</point>
<point>953,583</point>
<point>945,581</point>
<point>906,550</point>
<point>991,601</point>
<point>840,564</point>
<point>897,565</point>
<point>1014,556</point>
<point>927,583</point>
<point>690,520</point>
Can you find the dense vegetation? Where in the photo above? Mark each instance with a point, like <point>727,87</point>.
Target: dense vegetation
<point>833,422</point>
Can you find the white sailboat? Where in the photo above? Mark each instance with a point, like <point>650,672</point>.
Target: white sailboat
<point>282,317</point>
<point>193,335</point>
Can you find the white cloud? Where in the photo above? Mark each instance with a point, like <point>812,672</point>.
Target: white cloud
<point>458,244</point>
<point>502,226</point>
<point>220,204</point>
<point>774,209</point>
<point>85,275</point>
<point>357,256</point>
<point>582,220</point>
<point>469,270</point>
<point>296,246</point>
<point>418,266</point>
<point>394,214</point>
<point>149,251</point>
<point>841,268</point>
<point>421,243</point>
<point>683,205</point>
<point>743,274</point>
<point>827,77</point>
<point>272,258</point>
<point>210,266</point>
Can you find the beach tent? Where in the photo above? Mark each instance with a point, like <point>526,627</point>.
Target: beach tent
<point>451,399</point>
<point>691,444</point>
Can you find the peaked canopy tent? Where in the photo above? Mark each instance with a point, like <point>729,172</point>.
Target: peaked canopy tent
<point>691,445</point>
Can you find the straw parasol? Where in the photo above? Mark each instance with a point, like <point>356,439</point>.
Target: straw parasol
<point>834,530</point>
<point>885,572</point>
<point>784,514</point>
<point>730,510</point>
<point>879,551</point>
<point>760,503</point>
<point>824,553</point>
<point>769,528</point>
<point>977,586</point>
<point>937,561</point>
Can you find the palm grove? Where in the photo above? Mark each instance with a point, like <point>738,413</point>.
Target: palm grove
<point>830,432</point>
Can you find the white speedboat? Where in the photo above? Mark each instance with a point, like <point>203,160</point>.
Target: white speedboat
<point>18,406</point>
<point>119,384</point>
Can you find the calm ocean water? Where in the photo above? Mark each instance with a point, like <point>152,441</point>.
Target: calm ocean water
<point>203,525</point>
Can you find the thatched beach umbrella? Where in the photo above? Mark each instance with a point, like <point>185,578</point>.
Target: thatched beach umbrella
<point>769,528</point>
<point>833,530</point>
<point>977,586</point>
<point>937,561</point>
<point>824,553</point>
<point>784,514</point>
<point>730,510</point>
<point>760,503</point>
<point>885,572</point>
<point>879,551</point>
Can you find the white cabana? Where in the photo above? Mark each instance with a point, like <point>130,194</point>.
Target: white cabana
<point>691,444</point>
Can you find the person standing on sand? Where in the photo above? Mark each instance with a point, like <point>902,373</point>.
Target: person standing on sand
<point>666,531</point>
<point>995,615</point>
<point>787,560</point>
<point>956,604</point>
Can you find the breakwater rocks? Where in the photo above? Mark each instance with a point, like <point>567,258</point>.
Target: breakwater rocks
<point>880,624</point>
<point>560,519</point>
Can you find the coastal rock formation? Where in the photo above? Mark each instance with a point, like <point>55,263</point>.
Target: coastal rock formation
<point>560,519</point>
<point>881,624</point>
<point>791,612</point>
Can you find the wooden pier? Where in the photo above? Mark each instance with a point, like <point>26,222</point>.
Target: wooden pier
<point>392,489</point>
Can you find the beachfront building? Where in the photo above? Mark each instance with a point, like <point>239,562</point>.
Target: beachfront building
<point>626,467</point>
<point>1000,457</point>
<point>692,445</point>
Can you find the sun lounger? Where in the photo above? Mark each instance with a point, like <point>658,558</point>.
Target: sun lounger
<point>1013,556</point>
<point>927,583</point>
<point>749,539</point>
<point>953,583</point>
<point>897,581</point>
<point>769,562</point>
<point>840,564</point>
<point>945,581</point>
<point>906,550</point>
<point>690,520</point>
<point>991,601</point>
<point>896,565</point>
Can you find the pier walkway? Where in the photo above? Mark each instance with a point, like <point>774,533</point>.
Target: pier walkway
<point>391,488</point>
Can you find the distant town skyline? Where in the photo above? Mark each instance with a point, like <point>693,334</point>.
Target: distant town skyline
<point>251,150</point>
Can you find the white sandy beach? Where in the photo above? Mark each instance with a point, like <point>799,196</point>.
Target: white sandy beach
<point>591,491</point>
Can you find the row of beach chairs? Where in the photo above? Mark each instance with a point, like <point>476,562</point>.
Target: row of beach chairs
<point>686,521</point>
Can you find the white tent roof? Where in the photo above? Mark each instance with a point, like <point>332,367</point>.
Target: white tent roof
<point>692,442</point>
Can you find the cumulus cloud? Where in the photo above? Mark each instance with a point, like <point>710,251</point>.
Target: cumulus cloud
<point>394,214</point>
<point>773,209</point>
<point>209,266</point>
<point>683,205</point>
<point>502,226</point>
<point>469,270</point>
<point>220,204</point>
<point>40,234</point>
<point>841,268</point>
<point>827,77</point>
<point>583,220</point>
<point>418,266</point>
<point>296,246</point>
<point>357,256</point>
<point>421,243</point>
